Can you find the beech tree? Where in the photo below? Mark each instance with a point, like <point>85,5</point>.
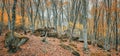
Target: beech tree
<point>85,4</point>
<point>13,18</point>
<point>2,16</point>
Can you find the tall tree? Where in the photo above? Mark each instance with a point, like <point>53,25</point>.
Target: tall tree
<point>23,14</point>
<point>8,10</point>
<point>95,22</point>
<point>48,13</point>
<point>13,18</point>
<point>77,9</point>
<point>55,13</point>
<point>108,18</point>
<point>84,4</point>
<point>116,25</point>
<point>30,15</point>
<point>2,16</point>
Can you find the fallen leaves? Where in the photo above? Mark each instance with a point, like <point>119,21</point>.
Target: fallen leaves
<point>35,47</point>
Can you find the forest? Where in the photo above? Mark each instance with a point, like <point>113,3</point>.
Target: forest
<point>59,27</point>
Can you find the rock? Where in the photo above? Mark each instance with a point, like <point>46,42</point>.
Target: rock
<point>75,53</point>
<point>13,43</point>
<point>71,49</point>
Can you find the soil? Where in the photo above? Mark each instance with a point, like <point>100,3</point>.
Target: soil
<point>35,47</point>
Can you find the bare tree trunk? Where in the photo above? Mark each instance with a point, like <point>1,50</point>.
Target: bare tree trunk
<point>48,14</point>
<point>31,17</point>
<point>13,18</point>
<point>55,13</point>
<point>116,25</point>
<point>95,24</point>
<point>77,8</point>
<point>108,15</point>
<point>8,9</point>
<point>2,17</point>
<point>85,24</point>
<point>42,16</point>
<point>37,3</point>
<point>23,15</point>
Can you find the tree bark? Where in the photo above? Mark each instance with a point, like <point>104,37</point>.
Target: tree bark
<point>13,18</point>
<point>2,17</point>
<point>85,24</point>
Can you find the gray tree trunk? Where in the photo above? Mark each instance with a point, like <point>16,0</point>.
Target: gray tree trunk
<point>2,17</point>
<point>116,25</point>
<point>85,24</point>
<point>8,9</point>
<point>23,14</point>
<point>13,18</point>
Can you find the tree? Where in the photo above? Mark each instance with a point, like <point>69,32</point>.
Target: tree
<point>30,15</point>
<point>77,8</point>
<point>55,13</point>
<point>116,25</point>
<point>84,4</point>
<point>13,19</point>
<point>23,14</point>
<point>108,18</point>
<point>2,17</point>
<point>8,9</point>
<point>95,23</point>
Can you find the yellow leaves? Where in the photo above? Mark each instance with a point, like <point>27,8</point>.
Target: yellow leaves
<point>18,19</point>
<point>48,3</point>
<point>65,3</point>
<point>64,28</point>
<point>70,24</point>
<point>78,25</point>
<point>18,35</point>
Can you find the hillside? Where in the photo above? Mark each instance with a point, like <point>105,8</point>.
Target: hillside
<point>35,47</point>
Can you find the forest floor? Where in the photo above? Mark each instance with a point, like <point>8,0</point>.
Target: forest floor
<point>35,47</point>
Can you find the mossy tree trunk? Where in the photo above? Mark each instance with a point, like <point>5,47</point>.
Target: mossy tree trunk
<point>13,18</point>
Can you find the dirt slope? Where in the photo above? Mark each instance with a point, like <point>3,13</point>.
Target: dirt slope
<point>34,47</point>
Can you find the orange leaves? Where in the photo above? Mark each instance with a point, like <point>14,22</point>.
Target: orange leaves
<point>18,18</point>
<point>65,3</point>
<point>48,3</point>
<point>78,25</point>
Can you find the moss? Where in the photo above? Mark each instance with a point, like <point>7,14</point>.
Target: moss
<point>63,40</point>
<point>66,47</point>
<point>75,53</point>
<point>71,49</point>
<point>13,44</point>
<point>73,45</point>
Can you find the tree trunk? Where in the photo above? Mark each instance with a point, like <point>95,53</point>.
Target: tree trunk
<point>85,24</point>
<point>116,25</point>
<point>23,14</point>
<point>2,17</point>
<point>13,18</point>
